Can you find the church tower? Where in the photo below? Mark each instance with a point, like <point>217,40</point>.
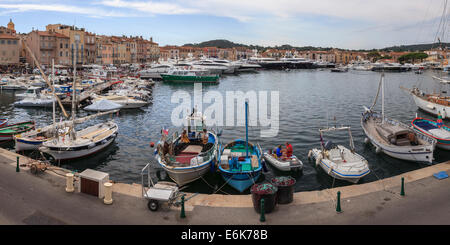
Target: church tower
<point>11,26</point>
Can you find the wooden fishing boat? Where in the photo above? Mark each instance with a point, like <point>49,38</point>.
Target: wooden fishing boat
<point>81,143</point>
<point>7,132</point>
<point>394,138</point>
<point>283,164</point>
<point>3,122</point>
<point>33,139</point>
<point>431,128</point>
<point>187,162</point>
<point>240,161</point>
<point>338,161</point>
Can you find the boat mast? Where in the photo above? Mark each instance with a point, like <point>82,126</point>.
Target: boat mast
<point>382,97</point>
<point>246,128</point>
<point>74,91</point>
<point>53,83</point>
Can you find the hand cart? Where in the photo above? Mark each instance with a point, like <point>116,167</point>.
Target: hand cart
<point>163,191</point>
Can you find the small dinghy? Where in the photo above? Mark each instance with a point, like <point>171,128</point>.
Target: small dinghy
<point>283,164</point>
<point>339,161</point>
<point>432,129</point>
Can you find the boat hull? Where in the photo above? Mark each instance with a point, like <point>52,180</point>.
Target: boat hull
<point>241,181</point>
<point>441,143</point>
<point>27,145</point>
<point>70,155</point>
<point>175,78</point>
<point>414,154</point>
<point>337,173</point>
<point>432,108</point>
<point>183,176</point>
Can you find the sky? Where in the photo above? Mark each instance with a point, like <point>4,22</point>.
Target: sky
<point>348,24</point>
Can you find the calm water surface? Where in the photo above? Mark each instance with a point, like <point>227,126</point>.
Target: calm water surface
<point>307,99</point>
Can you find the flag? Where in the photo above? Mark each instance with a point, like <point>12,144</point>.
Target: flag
<point>165,131</point>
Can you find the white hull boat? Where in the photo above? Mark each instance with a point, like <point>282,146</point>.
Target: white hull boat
<point>394,138</point>
<point>87,142</point>
<point>341,163</point>
<point>288,164</point>
<point>338,161</point>
<point>187,162</point>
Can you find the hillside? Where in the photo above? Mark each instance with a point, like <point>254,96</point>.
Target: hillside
<point>222,43</point>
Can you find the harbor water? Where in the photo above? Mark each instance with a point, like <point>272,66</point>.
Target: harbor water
<point>309,100</point>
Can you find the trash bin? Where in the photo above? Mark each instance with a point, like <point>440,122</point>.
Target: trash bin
<point>285,185</point>
<point>265,191</point>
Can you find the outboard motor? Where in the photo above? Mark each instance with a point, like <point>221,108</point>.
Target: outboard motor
<point>328,145</point>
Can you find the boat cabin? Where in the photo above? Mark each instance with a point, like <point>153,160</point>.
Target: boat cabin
<point>397,135</point>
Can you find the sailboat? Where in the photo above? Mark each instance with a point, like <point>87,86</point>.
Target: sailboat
<point>393,137</point>
<point>338,161</point>
<point>187,162</point>
<point>72,144</point>
<point>240,161</point>
<point>434,103</point>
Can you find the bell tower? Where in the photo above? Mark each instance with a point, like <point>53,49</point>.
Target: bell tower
<point>11,25</point>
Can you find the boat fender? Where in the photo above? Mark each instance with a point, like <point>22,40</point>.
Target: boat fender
<point>378,150</point>
<point>443,114</point>
<point>104,141</point>
<point>309,154</point>
<point>318,160</point>
<point>91,145</point>
<point>366,140</point>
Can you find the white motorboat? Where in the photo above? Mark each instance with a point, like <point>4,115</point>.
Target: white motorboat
<point>187,162</point>
<point>393,137</point>
<point>339,161</point>
<point>284,164</point>
<point>40,101</point>
<point>155,71</point>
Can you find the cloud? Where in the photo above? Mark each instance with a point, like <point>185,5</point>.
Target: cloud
<point>26,7</point>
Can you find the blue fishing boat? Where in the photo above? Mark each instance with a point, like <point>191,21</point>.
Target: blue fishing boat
<point>432,129</point>
<point>240,161</point>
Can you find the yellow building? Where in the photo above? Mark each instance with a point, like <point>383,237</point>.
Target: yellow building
<point>76,43</point>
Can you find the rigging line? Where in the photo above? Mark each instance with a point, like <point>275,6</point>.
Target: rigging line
<point>376,97</point>
<point>423,21</point>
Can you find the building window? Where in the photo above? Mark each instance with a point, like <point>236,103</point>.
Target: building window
<point>9,41</point>
<point>60,45</point>
<point>67,45</point>
<point>2,41</point>
<point>60,54</point>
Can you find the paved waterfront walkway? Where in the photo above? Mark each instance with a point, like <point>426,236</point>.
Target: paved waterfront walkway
<point>27,199</point>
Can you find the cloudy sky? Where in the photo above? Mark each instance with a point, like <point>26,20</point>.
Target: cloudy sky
<point>351,24</point>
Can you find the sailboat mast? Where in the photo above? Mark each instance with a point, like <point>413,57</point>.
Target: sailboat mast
<point>246,128</point>
<point>74,91</point>
<point>53,90</point>
<point>382,97</point>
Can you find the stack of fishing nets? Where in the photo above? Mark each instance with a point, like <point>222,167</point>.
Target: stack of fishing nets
<point>285,185</point>
<point>265,191</point>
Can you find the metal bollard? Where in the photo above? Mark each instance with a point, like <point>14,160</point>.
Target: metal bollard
<point>182,214</point>
<point>262,218</point>
<point>108,193</point>
<point>338,205</point>
<point>17,167</point>
<point>402,191</point>
<point>69,182</point>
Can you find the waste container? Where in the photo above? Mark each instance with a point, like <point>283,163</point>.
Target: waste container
<point>285,185</point>
<point>265,191</point>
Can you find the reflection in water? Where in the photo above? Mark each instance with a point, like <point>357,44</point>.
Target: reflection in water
<point>307,99</point>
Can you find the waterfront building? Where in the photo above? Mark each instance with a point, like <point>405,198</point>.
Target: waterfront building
<point>9,45</point>
<point>152,51</point>
<point>89,48</point>
<point>76,40</point>
<point>48,45</point>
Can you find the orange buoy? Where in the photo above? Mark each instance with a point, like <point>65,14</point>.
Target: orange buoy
<point>152,144</point>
